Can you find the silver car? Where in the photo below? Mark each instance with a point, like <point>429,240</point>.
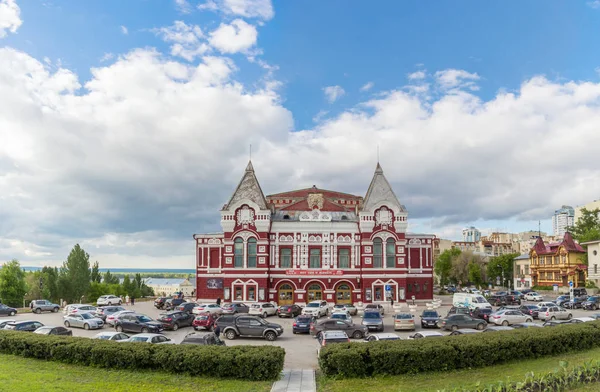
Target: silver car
<point>116,336</point>
<point>83,320</point>
<point>554,313</point>
<point>341,316</point>
<point>509,316</point>
<point>155,338</point>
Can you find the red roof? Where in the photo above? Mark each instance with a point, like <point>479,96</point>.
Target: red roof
<point>302,205</point>
<point>568,242</point>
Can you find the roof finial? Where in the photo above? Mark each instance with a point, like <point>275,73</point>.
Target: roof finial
<point>378,153</point>
<point>540,228</point>
<point>250,151</point>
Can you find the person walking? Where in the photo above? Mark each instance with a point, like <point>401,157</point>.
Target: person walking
<point>127,300</point>
<point>217,329</point>
<point>219,301</point>
<point>132,300</point>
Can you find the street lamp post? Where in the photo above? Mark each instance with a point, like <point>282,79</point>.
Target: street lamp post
<point>502,269</point>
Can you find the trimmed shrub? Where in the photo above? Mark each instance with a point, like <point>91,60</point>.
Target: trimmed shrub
<point>455,352</point>
<point>254,363</point>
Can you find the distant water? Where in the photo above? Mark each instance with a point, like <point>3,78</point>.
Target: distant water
<point>134,270</point>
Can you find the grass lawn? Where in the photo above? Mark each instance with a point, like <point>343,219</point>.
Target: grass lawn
<point>23,374</point>
<point>513,371</point>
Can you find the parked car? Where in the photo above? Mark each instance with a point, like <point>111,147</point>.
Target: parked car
<point>458,321</point>
<point>203,339</point>
<point>562,299</point>
<point>172,303</point>
<point>481,313</point>
<point>592,303</point>
<point>555,323</point>
<point>517,294</point>
<point>106,311</point>
<point>154,338</point>
<point>341,316</point>
<point>109,335</point>
<point>577,320</point>
<point>133,322</point>
<point>381,336</point>
<point>510,316</point>
<point>205,321</point>
<point>594,316</point>
<point>458,310</point>
<point>377,307</point>
<point>546,304</point>
<point>331,337</point>
<point>289,311</point>
<point>3,323</point>
<point>263,309</point>
<point>7,310</point>
<point>575,303</point>
<point>159,303</point>
<point>104,300</point>
<point>465,331</point>
<point>211,308</point>
<point>302,324</point>
<point>373,320</point>
<point>112,318</point>
<point>503,300</point>
<point>526,325</point>
<point>83,320</point>
<point>235,308</point>
<point>24,326</point>
<point>316,308</point>
<point>531,310</point>
<point>429,319</point>
<point>533,296</point>
<point>48,330</point>
<point>425,334</point>
<point>497,328</point>
<point>79,308</point>
<point>233,326</point>
<point>580,292</point>
<point>402,321</point>
<point>354,330</point>
<point>554,313</point>
<point>175,319</point>
<point>346,308</point>
<point>42,305</point>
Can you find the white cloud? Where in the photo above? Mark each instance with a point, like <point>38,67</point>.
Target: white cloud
<point>10,17</point>
<point>594,4</point>
<point>456,78</point>
<point>107,57</point>
<point>333,93</point>
<point>238,36</point>
<point>367,86</point>
<point>260,9</point>
<point>187,40</point>
<point>418,75</point>
<point>124,30</point>
<point>183,6</point>
<point>319,116</point>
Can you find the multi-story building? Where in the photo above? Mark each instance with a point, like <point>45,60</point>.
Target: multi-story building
<point>314,244</point>
<point>522,278</point>
<point>562,219</point>
<point>557,263</point>
<point>589,206</point>
<point>466,246</point>
<point>593,253</point>
<point>471,234</point>
<point>439,246</point>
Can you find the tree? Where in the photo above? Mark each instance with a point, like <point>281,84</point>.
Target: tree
<point>467,267</point>
<point>443,265</point>
<point>95,274</point>
<point>50,283</point>
<point>502,266</point>
<point>128,286</point>
<point>74,281</point>
<point>110,278</point>
<point>138,281</point>
<point>586,229</point>
<point>475,273</point>
<point>12,284</point>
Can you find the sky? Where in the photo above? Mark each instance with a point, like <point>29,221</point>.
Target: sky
<point>126,125</point>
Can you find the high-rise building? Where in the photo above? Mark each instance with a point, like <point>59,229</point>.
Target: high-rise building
<point>562,219</point>
<point>471,234</point>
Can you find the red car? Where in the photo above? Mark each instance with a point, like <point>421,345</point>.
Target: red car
<point>204,321</point>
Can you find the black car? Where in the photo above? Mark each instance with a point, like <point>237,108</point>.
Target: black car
<point>60,331</point>
<point>532,310</point>
<point>172,303</point>
<point>592,303</point>
<point>175,319</point>
<point>7,310</point>
<point>562,299</point>
<point>187,307</point>
<point>132,322</point>
<point>302,324</point>
<point>159,303</point>
<point>481,313</point>
<point>204,339</point>
<point>458,310</point>
<point>429,319</point>
<point>25,326</point>
<point>289,311</point>
<point>576,303</point>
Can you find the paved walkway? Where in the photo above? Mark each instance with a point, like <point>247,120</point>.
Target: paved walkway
<point>296,380</point>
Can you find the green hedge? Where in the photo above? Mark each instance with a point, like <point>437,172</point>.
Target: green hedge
<point>242,362</point>
<point>455,352</point>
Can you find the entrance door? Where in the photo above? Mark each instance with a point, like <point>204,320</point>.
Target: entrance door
<point>286,294</point>
<point>315,293</point>
<point>343,295</point>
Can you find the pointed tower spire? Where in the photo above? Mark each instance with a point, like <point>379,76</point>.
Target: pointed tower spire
<point>248,189</point>
<point>379,191</point>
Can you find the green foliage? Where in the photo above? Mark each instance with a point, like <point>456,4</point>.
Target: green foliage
<point>443,265</point>
<point>590,285</point>
<point>454,352</point>
<point>95,274</point>
<point>241,362</point>
<point>499,263</point>
<point>12,284</point>
<point>50,286</point>
<point>586,229</point>
<point>128,286</point>
<point>541,288</point>
<point>110,278</point>
<point>75,275</point>
<point>465,266</point>
<point>476,273</point>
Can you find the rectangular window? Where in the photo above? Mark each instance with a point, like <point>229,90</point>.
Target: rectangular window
<point>285,258</point>
<point>344,258</point>
<point>526,270</point>
<point>252,253</point>
<point>390,253</point>
<point>251,294</point>
<point>377,253</point>
<point>315,258</point>
<point>239,253</point>
<point>378,293</point>
<point>595,268</point>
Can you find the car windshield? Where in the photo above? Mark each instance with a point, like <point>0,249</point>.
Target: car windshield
<point>138,339</point>
<point>430,314</point>
<point>87,316</point>
<point>313,305</point>
<point>543,309</point>
<point>338,315</point>
<point>104,337</point>
<point>304,319</point>
<point>405,316</point>
<point>256,306</point>
<point>593,298</point>
<point>372,315</point>
<point>144,319</point>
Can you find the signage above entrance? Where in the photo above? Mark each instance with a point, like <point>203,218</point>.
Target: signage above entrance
<point>297,272</point>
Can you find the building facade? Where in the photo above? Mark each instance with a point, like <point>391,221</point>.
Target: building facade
<point>522,278</point>
<point>593,252</point>
<point>314,244</point>
<point>166,286</point>
<point>471,234</point>
<point>562,219</point>
<point>557,263</point>
<point>589,206</point>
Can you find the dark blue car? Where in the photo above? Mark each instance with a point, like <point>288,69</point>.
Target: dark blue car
<point>302,324</point>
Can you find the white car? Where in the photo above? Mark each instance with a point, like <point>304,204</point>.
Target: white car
<point>116,336</point>
<point>316,309</point>
<point>425,334</point>
<point>108,300</point>
<point>545,304</point>
<point>338,315</point>
<point>79,308</point>
<point>533,296</point>
<point>154,338</point>
<point>111,318</point>
<point>208,308</point>
<point>263,309</point>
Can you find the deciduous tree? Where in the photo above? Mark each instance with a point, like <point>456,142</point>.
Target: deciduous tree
<point>12,284</point>
<point>443,265</point>
<point>586,229</point>
<point>74,281</point>
<point>95,274</point>
<point>502,266</point>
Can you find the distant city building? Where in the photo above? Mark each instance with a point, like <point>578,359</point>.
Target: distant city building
<point>471,234</point>
<point>593,251</point>
<point>562,219</point>
<point>439,246</point>
<point>522,272</point>
<point>466,246</point>
<point>167,286</point>
<point>557,263</point>
<point>589,206</point>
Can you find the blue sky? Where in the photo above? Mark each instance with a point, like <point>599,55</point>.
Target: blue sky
<point>459,95</point>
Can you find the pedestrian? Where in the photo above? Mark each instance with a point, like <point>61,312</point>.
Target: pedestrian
<point>217,329</point>
<point>127,300</point>
<point>132,300</point>
<point>392,302</point>
<point>31,305</point>
<point>219,301</point>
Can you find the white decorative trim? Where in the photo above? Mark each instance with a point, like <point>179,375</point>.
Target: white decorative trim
<point>314,238</point>
<point>344,239</point>
<point>401,249</point>
<point>384,217</point>
<point>315,216</point>
<point>368,260</point>
<point>261,249</point>
<point>214,241</point>
<point>245,216</point>
<point>284,238</point>
<point>261,260</point>
<point>400,260</point>
<point>414,241</point>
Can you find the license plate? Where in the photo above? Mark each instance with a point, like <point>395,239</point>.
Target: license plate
<point>430,322</point>
<point>302,325</point>
<point>372,327</point>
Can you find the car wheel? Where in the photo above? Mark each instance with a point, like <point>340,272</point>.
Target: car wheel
<point>12,313</point>
<point>357,335</point>
<point>454,328</point>
<point>271,336</point>
<point>38,310</point>
<point>175,327</point>
<point>570,316</point>
<point>230,334</point>
<point>480,327</point>
<point>86,326</point>
<point>144,330</point>
<point>264,315</point>
<point>67,324</point>
<point>55,310</point>
<point>505,323</point>
<point>552,318</point>
<point>529,320</point>
<point>119,328</point>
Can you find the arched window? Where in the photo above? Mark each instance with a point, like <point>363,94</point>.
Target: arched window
<point>315,258</point>
<point>251,252</point>
<point>377,253</point>
<point>344,258</point>
<point>390,253</point>
<point>239,253</point>
<point>285,258</point>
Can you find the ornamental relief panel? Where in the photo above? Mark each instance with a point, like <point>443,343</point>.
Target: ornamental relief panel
<point>315,216</point>
<point>384,217</point>
<point>245,216</point>
<point>414,241</point>
<point>286,238</point>
<point>214,241</point>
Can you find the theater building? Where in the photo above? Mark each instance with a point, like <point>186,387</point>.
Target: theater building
<point>311,244</point>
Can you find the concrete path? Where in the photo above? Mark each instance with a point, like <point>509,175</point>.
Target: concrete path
<point>296,380</point>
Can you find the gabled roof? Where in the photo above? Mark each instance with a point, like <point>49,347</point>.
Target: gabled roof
<point>248,189</point>
<point>568,243</point>
<point>302,205</point>
<point>303,193</point>
<point>380,190</point>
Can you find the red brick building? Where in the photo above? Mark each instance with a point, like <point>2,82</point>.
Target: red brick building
<point>309,244</point>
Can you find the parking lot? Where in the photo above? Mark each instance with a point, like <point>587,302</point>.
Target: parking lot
<point>301,350</point>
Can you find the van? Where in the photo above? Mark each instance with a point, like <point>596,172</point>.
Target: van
<point>470,300</point>
<point>579,292</point>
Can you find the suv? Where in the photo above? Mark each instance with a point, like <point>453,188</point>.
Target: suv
<point>316,308</point>
<point>592,303</point>
<point>172,303</point>
<point>106,311</point>
<point>554,313</point>
<point>175,319</point>
<point>25,326</point>
<point>233,326</point>
<point>481,313</point>
<point>108,300</point>
<point>159,303</point>
<point>579,292</point>
<point>373,320</point>
<point>133,322</point>
<point>42,305</point>
<point>263,309</point>
<point>326,338</point>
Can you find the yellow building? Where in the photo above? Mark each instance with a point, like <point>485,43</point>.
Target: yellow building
<point>557,263</point>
